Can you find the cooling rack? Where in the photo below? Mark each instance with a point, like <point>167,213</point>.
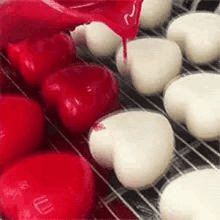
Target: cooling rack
<point>113,201</point>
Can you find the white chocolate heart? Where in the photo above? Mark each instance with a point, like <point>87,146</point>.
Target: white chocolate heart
<point>101,40</point>
<point>193,196</point>
<point>154,13</point>
<point>195,100</point>
<point>138,145</point>
<point>151,62</point>
<point>198,35</point>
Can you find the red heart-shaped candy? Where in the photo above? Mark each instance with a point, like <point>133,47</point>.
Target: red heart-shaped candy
<point>35,58</point>
<point>81,94</point>
<point>21,127</point>
<point>47,186</point>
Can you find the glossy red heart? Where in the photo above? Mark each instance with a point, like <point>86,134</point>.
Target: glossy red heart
<point>47,186</point>
<point>35,58</point>
<point>80,94</point>
<point>21,127</point>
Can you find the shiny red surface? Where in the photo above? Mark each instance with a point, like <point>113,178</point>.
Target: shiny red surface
<point>80,94</point>
<point>47,186</point>
<point>21,127</point>
<point>34,58</point>
<point>27,18</point>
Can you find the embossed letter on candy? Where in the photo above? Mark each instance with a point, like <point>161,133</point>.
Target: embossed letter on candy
<point>47,186</point>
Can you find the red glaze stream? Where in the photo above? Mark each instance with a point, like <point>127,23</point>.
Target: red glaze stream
<point>27,18</point>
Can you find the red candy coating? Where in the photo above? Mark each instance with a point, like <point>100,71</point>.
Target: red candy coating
<point>27,18</point>
<point>34,58</point>
<point>81,94</point>
<point>47,186</point>
<point>21,127</point>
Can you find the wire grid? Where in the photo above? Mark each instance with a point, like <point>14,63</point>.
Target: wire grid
<point>113,200</point>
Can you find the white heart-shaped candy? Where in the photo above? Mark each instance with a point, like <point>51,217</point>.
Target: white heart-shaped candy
<point>198,35</point>
<point>154,13</point>
<point>195,100</point>
<point>98,38</point>
<point>138,145</point>
<point>151,62</point>
<point>193,196</point>
<point>101,40</point>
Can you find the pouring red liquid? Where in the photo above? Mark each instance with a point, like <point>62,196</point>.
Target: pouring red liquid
<point>27,18</point>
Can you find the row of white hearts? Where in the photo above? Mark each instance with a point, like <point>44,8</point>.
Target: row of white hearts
<point>197,35</point>
<point>139,145</point>
<point>153,64</point>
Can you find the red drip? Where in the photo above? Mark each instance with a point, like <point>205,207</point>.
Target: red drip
<point>124,43</point>
<point>98,126</point>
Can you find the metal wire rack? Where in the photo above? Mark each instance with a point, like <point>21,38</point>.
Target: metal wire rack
<point>113,200</point>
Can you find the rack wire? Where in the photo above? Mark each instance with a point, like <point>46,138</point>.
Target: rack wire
<point>113,200</point>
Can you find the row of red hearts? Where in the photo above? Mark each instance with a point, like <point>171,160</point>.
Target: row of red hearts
<point>79,93</point>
